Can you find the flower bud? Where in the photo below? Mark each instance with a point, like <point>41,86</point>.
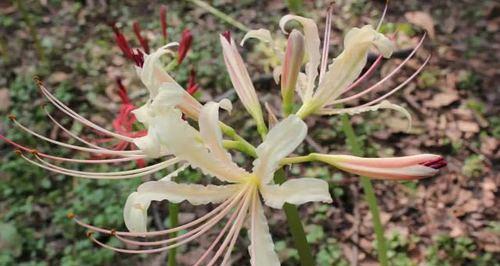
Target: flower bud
<point>294,56</point>
<point>396,168</point>
<point>184,45</point>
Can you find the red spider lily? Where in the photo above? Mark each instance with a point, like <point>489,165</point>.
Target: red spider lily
<point>185,44</point>
<point>163,21</point>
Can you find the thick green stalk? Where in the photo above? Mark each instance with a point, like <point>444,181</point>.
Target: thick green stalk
<point>242,144</point>
<point>369,193</point>
<point>173,210</point>
<point>296,228</point>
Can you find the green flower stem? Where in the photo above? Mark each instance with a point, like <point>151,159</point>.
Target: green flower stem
<point>295,225</point>
<point>242,144</point>
<point>173,210</point>
<point>369,193</point>
<point>220,14</point>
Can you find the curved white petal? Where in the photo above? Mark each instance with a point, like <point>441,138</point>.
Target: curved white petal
<point>135,211</point>
<point>312,43</point>
<point>261,247</point>
<point>281,140</point>
<point>260,34</point>
<point>151,73</point>
<point>296,191</point>
<point>135,214</point>
<point>349,64</point>
<point>357,110</point>
<point>241,80</point>
<point>210,131</point>
<point>183,141</point>
<point>154,77</point>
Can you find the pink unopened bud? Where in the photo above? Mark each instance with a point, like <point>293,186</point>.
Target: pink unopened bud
<point>294,56</point>
<point>396,168</point>
<point>184,45</point>
<point>143,41</point>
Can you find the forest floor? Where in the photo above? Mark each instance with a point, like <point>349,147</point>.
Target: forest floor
<point>450,219</point>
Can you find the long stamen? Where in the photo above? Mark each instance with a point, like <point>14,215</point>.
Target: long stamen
<point>379,24</point>
<point>94,176</point>
<point>71,134</point>
<point>75,115</point>
<point>119,173</point>
<point>365,76</point>
<point>239,225</point>
<point>326,42</point>
<point>211,223</point>
<point>217,239</point>
<point>380,82</point>
<point>80,148</point>
<point>149,251</point>
<point>231,202</point>
<point>63,159</point>
<point>400,85</point>
<point>235,228</point>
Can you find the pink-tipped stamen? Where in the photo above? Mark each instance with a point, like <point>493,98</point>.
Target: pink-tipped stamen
<point>226,205</point>
<point>326,42</point>
<point>365,76</point>
<point>381,20</point>
<point>380,82</point>
<point>83,175</point>
<point>400,85</point>
<point>74,147</point>
<point>155,250</point>
<point>68,111</point>
<point>143,41</point>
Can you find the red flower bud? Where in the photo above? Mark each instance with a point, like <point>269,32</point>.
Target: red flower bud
<point>144,42</point>
<point>184,45</point>
<point>163,21</point>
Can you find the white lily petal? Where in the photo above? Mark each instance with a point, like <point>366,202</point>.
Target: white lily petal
<point>281,140</point>
<point>356,110</point>
<point>241,80</point>
<point>183,141</point>
<point>261,247</point>
<point>135,215</point>
<point>152,74</point>
<point>312,43</point>
<point>210,131</point>
<point>296,191</point>
<point>260,34</point>
<point>349,64</point>
<point>135,211</point>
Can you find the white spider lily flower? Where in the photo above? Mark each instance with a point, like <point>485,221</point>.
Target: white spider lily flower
<point>241,81</point>
<point>320,96</point>
<point>239,199</point>
<point>153,76</point>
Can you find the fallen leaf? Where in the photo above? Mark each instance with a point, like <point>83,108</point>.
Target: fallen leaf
<point>466,126</point>
<point>442,99</point>
<point>423,20</point>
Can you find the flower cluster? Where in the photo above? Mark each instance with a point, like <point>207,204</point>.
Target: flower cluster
<point>181,131</point>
